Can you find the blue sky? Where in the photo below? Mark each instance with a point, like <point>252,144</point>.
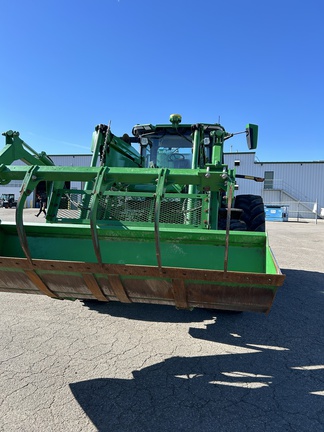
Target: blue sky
<point>69,65</point>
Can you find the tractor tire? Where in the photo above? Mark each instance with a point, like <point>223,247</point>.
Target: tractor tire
<point>235,225</point>
<point>253,211</point>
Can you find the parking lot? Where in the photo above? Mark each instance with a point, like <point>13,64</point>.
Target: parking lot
<point>75,366</point>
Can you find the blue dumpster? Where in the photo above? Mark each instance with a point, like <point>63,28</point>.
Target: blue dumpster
<point>276,213</point>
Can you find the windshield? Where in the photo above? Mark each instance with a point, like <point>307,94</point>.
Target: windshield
<point>168,151</point>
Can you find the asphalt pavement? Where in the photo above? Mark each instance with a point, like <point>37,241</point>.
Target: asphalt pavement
<point>75,366</point>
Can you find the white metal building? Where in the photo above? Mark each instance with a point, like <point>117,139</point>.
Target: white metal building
<point>299,185</point>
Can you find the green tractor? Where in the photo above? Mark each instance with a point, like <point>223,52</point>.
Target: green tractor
<point>155,220</point>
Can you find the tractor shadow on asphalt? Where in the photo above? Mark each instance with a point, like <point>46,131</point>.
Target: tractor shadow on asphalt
<point>270,373</point>
<point>148,312</point>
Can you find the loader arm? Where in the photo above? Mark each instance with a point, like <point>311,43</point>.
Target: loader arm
<point>112,150</point>
<point>16,149</point>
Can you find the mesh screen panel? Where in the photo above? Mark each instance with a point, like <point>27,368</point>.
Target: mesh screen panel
<point>176,211</point>
<point>141,209</point>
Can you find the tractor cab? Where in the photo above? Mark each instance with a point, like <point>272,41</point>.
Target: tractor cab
<point>167,149</point>
<point>172,145</point>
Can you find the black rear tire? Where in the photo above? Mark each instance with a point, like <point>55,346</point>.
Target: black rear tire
<point>235,225</point>
<point>253,211</point>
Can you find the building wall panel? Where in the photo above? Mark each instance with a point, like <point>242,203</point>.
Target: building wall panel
<point>301,181</point>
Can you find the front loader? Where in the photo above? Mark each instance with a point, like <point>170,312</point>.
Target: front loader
<point>158,225</point>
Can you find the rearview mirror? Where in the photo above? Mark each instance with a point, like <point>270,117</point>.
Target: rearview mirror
<point>252,136</point>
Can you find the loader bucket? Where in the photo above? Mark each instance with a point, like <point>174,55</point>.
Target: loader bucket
<point>182,267</point>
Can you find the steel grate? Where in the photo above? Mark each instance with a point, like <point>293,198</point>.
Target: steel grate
<point>126,208</point>
<point>176,211</point>
<point>181,211</point>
